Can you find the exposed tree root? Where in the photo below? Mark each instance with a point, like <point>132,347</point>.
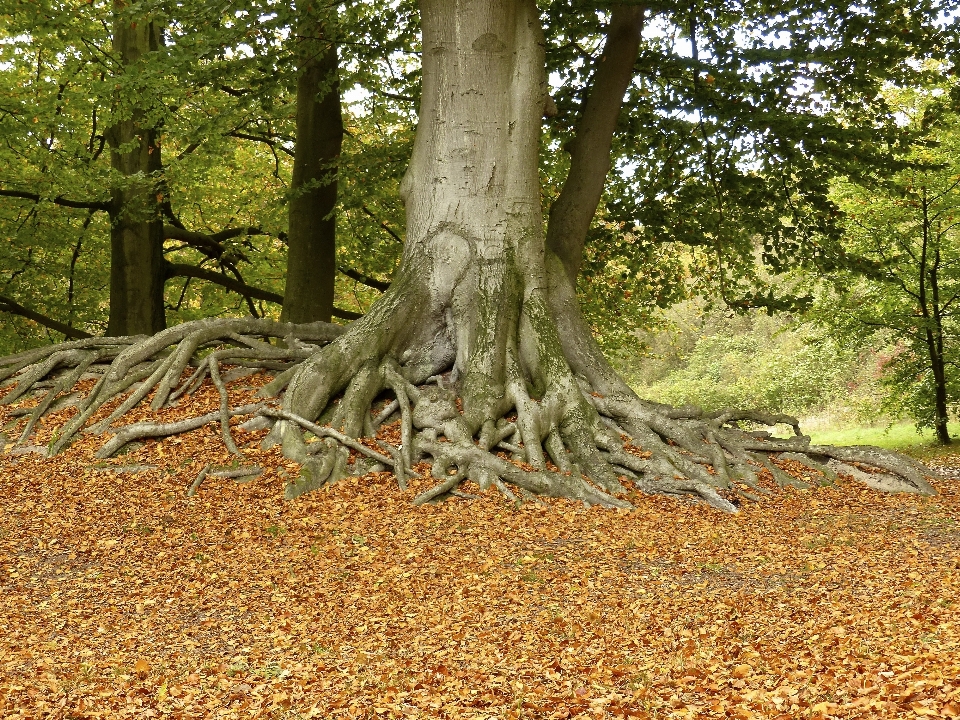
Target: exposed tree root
<point>570,440</point>
<point>132,367</point>
<point>198,481</point>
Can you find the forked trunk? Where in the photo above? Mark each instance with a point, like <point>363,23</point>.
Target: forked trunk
<point>573,210</point>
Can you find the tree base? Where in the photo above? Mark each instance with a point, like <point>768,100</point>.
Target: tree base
<point>571,444</point>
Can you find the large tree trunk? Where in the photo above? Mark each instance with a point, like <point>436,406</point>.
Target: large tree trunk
<point>470,296</point>
<point>137,270</point>
<point>311,236</point>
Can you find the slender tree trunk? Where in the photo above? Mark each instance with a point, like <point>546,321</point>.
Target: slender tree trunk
<point>940,394</point>
<point>935,345</point>
<point>573,210</point>
<point>137,270</point>
<point>311,236</point>
<point>933,322</point>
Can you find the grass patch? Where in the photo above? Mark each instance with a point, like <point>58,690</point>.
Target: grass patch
<point>901,436</point>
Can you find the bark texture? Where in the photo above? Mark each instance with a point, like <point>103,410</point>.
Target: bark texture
<point>311,236</point>
<point>137,271</point>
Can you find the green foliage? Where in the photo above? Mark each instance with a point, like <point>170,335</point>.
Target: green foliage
<point>777,364</point>
<point>905,227</point>
<point>737,121</point>
<point>900,436</point>
<point>221,89</point>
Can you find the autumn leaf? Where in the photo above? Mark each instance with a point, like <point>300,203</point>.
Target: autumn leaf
<point>830,602</point>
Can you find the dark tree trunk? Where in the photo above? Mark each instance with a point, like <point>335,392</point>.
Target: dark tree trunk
<point>935,346</point>
<point>573,211</point>
<point>311,236</point>
<point>137,270</point>
<point>933,319</point>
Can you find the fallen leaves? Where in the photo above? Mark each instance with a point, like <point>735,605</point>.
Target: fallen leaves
<point>124,598</point>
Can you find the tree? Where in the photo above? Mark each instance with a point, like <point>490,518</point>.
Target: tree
<point>479,338</point>
<point>478,296</point>
<point>736,121</point>
<point>311,233</point>
<point>906,226</point>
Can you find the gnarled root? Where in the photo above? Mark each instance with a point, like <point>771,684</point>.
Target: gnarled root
<point>133,367</point>
<point>516,415</point>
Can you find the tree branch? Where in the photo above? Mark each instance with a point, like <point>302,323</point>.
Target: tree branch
<point>364,279</point>
<point>210,245</point>
<point>573,210</point>
<point>11,306</point>
<point>64,202</point>
<point>184,270</point>
<point>392,95</point>
<point>382,224</point>
<point>274,144</point>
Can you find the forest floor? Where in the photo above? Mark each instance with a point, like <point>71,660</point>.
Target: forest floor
<point>122,597</point>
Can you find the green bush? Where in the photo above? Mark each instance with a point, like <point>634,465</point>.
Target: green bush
<point>776,364</point>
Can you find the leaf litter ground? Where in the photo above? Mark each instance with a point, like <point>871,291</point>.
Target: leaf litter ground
<point>123,597</point>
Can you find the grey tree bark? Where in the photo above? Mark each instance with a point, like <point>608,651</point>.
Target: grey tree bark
<point>137,271</point>
<point>311,235</point>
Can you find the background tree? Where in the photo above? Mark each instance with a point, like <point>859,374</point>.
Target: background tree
<point>66,77</point>
<point>221,90</point>
<point>137,272</point>
<point>311,228</point>
<point>907,225</point>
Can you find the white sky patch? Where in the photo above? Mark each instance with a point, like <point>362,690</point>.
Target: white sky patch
<point>357,100</point>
